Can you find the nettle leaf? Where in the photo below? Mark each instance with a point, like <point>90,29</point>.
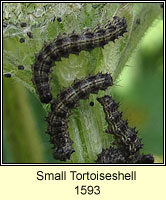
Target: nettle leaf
<point>38,23</point>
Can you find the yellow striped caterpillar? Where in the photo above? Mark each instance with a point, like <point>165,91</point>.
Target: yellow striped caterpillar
<point>119,156</point>
<point>61,109</point>
<point>126,138</point>
<point>74,43</point>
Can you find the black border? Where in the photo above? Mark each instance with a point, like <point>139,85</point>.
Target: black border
<point>83,164</point>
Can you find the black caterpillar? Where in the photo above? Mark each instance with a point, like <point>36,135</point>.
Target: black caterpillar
<point>126,139</point>
<point>118,156</point>
<point>62,46</point>
<point>61,109</point>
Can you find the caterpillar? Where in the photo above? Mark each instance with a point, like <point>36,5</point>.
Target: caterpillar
<point>59,137</point>
<point>124,135</point>
<point>118,156</point>
<point>111,155</point>
<point>74,43</point>
<point>126,138</point>
<point>61,109</point>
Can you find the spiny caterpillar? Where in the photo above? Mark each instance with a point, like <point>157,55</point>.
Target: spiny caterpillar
<point>126,138</point>
<point>62,46</point>
<point>118,156</point>
<point>61,109</point>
